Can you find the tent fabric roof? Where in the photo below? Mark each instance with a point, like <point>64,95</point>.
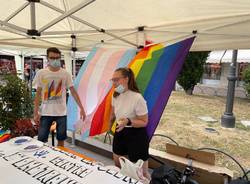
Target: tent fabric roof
<point>225,56</point>
<point>218,24</point>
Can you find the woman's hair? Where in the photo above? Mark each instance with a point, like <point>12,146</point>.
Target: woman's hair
<point>127,72</point>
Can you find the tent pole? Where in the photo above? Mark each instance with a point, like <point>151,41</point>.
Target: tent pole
<point>85,31</point>
<point>228,118</point>
<point>31,73</point>
<point>22,64</point>
<point>74,49</point>
<point>12,26</point>
<point>74,65</point>
<point>16,12</point>
<point>73,140</point>
<point>32,15</point>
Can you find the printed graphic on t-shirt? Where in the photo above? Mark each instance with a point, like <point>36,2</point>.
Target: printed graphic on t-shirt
<point>52,91</point>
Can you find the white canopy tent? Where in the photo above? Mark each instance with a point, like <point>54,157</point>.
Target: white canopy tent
<point>225,56</point>
<point>217,24</point>
<point>82,24</point>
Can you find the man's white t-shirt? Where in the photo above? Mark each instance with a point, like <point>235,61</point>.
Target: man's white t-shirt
<point>129,105</point>
<point>54,85</point>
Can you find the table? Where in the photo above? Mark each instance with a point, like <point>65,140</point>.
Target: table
<point>52,165</point>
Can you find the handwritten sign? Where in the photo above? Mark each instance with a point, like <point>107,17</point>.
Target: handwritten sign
<point>49,165</point>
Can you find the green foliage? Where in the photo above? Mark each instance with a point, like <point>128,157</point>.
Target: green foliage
<point>192,70</point>
<point>15,101</point>
<point>246,78</point>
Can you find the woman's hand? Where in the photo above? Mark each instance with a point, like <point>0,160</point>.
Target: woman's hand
<point>121,123</point>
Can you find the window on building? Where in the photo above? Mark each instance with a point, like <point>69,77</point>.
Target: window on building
<point>212,71</point>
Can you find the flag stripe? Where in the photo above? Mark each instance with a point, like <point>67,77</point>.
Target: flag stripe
<point>161,71</point>
<point>168,86</point>
<point>147,71</point>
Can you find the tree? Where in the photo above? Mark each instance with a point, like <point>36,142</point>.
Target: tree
<point>246,78</point>
<point>192,70</point>
<point>15,101</point>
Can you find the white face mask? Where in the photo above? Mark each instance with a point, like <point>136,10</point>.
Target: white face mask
<point>120,89</point>
<point>55,63</point>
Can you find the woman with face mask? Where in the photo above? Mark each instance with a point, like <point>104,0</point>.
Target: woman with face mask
<point>130,111</point>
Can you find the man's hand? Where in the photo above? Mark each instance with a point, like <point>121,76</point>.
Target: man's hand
<point>82,114</point>
<point>36,118</point>
<point>36,105</point>
<point>78,101</point>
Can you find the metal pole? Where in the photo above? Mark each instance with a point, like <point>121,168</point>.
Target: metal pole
<point>30,81</point>
<point>73,138</point>
<point>14,27</point>
<point>74,64</point>
<point>74,49</point>
<point>228,118</point>
<point>17,11</point>
<point>32,15</point>
<point>22,64</point>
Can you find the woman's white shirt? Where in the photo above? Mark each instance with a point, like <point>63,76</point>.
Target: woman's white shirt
<point>129,105</point>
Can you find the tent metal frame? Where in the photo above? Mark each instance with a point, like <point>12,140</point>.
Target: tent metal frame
<point>65,14</point>
<point>34,33</point>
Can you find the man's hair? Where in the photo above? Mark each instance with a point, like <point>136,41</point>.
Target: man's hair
<point>53,49</point>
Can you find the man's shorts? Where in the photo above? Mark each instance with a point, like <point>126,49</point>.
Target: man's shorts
<point>45,124</point>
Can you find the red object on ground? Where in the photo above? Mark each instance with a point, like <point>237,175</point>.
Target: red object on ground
<point>4,138</point>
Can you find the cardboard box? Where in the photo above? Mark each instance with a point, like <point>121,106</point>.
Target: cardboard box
<point>203,162</point>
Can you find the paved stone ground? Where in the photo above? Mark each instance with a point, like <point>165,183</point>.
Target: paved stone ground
<point>246,123</point>
<point>218,90</point>
<point>207,119</point>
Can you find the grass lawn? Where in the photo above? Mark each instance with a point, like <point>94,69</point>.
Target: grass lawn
<point>180,122</point>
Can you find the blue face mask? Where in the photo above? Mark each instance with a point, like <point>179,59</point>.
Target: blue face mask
<point>120,89</point>
<point>55,63</point>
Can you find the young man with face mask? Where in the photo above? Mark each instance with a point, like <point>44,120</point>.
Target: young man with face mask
<point>51,84</point>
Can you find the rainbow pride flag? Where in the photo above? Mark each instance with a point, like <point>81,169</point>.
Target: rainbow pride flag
<point>4,136</point>
<point>93,84</point>
<point>156,68</point>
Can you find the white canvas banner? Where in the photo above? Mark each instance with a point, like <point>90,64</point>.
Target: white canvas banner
<point>51,165</point>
